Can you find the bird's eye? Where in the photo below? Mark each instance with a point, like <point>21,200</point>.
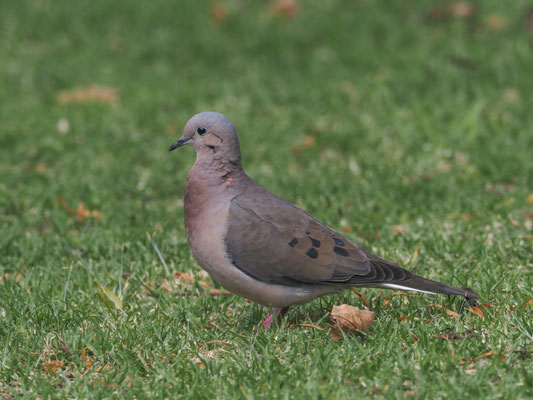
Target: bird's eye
<point>201,130</point>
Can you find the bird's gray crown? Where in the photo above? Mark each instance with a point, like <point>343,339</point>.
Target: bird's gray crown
<point>213,136</point>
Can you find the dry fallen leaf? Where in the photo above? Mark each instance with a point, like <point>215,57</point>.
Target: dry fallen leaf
<point>82,213</point>
<point>204,284</point>
<point>346,229</point>
<point>185,276</point>
<point>476,310</point>
<point>403,294</point>
<point>215,342</point>
<point>530,198</point>
<point>362,296</point>
<point>349,319</point>
<point>496,22</point>
<point>40,168</point>
<point>286,8</point>
<point>528,302</point>
<point>449,312</point>
<point>218,12</point>
<point>398,229</point>
<point>303,325</point>
<point>308,141</point>
<point>87,94</point>
<point>218,292</point>
<point>52,366</point>
<point>469,334</point>
<point>511,95</point>
<point>462,9</point>
<point>85,358</point>
<point>385,302</point>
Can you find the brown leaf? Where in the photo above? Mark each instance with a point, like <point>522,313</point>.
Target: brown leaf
<point>528,302</point>
<point>218,12</point>
<point>496,22</point>
<point>437,14</point>
<point>476,310</point>
<point>528,21</point>
<point>185,276</point>
<point>40,168</point>
<point>215,342</point>
<point>286,8</point>
<point>511,95</point>
<point>308,141</point>
<point>398,229</point>
<point>204,284</point>
<point>403,294</point>
<point>85,358</point>
<point>346,229</point>
<point>81,213</point>
<point>530,198</point>
<point>218,292</point>
<point>469,334</point>
<point>449,312</point>
<point>334,332</point>
<point>350,319</point>
<point>88,94</point>
<point>52,366</point>
<point>462,9</point>
<point>307,326</point>
<point>362,296</point>
<point>385,302</point>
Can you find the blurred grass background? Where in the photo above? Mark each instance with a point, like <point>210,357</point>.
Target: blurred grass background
<point>408,125</point>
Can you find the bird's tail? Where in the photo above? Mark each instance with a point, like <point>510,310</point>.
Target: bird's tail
<point>420,284</point>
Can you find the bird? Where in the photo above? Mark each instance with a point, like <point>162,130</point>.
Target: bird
<point>264,248</point>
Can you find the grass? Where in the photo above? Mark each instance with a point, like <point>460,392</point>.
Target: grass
<point>407,132</point>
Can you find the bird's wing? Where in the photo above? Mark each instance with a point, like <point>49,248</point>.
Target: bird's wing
<point>274,241</point>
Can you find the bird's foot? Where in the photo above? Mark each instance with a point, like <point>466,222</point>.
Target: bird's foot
<point>279,313</point>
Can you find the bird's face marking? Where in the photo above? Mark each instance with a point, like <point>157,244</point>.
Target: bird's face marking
<point>293,242</point>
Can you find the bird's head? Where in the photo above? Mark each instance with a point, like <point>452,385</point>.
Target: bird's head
<point>212,135</point>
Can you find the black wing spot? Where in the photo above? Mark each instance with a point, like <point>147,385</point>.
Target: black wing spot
<point>293,242</point>
<point>339,242</point>
<point>312,253</point>
<point>340,251</point>
<point>314,242</point>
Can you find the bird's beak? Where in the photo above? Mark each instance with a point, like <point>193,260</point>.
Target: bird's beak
<point>178,143</point>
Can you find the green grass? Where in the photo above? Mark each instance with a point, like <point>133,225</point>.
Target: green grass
<point>421,123</point>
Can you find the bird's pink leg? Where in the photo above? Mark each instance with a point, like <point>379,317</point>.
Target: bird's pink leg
<point>278,312</point>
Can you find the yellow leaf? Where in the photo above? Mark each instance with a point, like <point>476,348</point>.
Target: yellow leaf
<point>109,298</point>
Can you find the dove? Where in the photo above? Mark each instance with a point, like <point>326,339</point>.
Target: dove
<point>261,246</point>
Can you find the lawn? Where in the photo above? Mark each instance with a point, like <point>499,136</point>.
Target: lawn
<point>407,125</point>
